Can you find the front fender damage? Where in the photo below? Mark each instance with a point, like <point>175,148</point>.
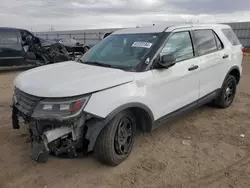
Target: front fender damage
<point>95,126</point>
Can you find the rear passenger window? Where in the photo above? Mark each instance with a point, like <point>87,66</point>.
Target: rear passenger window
<point>8,37</point>
<point>205,41</point>
<point>229,33</point>
<point>180,46</point>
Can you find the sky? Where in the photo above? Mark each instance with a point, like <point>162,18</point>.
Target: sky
<point>42,15</point>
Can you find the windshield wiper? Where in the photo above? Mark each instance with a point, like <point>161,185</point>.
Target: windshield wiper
<point>105,65</point>
<point>96,63</point>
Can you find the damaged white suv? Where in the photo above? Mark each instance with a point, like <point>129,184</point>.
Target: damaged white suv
<point>133,79</point>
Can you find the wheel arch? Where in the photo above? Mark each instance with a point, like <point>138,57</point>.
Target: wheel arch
<point>234,71</point>
<point>143,114</point>
<point>140,110</point>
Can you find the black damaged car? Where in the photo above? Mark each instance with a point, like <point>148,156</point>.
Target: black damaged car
<point>20,48</point>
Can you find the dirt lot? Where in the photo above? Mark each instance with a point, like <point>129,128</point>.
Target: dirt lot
<point>205,148</point>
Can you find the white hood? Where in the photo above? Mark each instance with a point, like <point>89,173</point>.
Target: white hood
<point>69,79</point>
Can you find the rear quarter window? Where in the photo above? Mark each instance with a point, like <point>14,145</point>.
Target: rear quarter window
<point>229,33</point>
<point>8,37</point>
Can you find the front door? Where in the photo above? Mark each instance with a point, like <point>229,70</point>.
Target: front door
<point>10,49</point>
<point>177,86</point>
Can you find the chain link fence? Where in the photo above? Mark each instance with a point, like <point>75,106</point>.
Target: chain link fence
<point>242,30</point>
<point>91,37</point>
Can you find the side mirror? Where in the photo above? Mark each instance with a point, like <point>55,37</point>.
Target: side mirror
<point>167,61</point>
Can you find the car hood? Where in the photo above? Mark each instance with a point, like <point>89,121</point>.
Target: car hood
<point>69,79</point>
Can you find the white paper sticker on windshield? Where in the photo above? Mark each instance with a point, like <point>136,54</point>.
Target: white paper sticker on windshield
<point>142,44</point>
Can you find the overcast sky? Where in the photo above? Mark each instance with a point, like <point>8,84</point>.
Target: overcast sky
<point>40,15</point>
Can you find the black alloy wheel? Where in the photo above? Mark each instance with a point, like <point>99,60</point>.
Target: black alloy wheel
<point>230,90</point>
<point>115,142</point>
<point>123,136</point>
<point>227,93</point>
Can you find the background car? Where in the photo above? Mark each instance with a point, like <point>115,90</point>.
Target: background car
<point>73,46</point>
<point>20,48</point>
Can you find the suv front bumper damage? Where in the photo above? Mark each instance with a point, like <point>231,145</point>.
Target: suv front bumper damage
<point>74,137</point>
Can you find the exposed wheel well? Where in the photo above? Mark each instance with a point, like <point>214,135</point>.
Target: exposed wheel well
<point>144,122</point>
<point>143,119</point>
<point>236,73</point>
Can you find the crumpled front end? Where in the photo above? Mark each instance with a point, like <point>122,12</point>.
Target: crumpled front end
<point>52,131</point>
<point>56,139</point>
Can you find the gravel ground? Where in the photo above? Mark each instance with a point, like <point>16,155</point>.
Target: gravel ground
<point>208,147</point>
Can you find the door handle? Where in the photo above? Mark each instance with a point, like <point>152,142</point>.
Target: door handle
<point>225,56</point>
<point>193,67</point>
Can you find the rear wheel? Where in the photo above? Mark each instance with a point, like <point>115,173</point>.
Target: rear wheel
<point>116,140</point>
<point>227,93</point>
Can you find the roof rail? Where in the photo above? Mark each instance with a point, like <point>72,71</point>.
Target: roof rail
<point>183,27</point>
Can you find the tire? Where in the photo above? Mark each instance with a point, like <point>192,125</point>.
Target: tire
<point>227,93</point>
<point>108,148</point>
<point>43,158</point>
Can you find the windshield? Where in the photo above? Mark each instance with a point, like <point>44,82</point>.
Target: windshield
<point>121,51</point>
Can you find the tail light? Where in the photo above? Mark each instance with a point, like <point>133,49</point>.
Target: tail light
<point>243,49</point>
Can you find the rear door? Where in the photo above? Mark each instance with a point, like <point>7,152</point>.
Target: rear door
<point>10,49</point>
<point>213,60</point>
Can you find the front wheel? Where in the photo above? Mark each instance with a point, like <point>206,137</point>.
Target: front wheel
<point>227,93</point>
<point>115,142</point>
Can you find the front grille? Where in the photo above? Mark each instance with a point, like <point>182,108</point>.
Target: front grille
<point>26,103</point>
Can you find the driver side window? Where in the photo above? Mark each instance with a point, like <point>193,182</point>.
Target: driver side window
<point>180,46</point>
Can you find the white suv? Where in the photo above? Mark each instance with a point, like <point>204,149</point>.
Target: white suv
<point>134,78</point>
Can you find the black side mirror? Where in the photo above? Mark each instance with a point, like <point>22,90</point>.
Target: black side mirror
<point>167,61</point>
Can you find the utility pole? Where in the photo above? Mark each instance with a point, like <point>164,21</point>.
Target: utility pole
<point>52,29</point>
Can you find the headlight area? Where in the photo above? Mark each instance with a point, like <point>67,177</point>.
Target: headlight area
<point>57,126</point>
<point>58,109</point>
